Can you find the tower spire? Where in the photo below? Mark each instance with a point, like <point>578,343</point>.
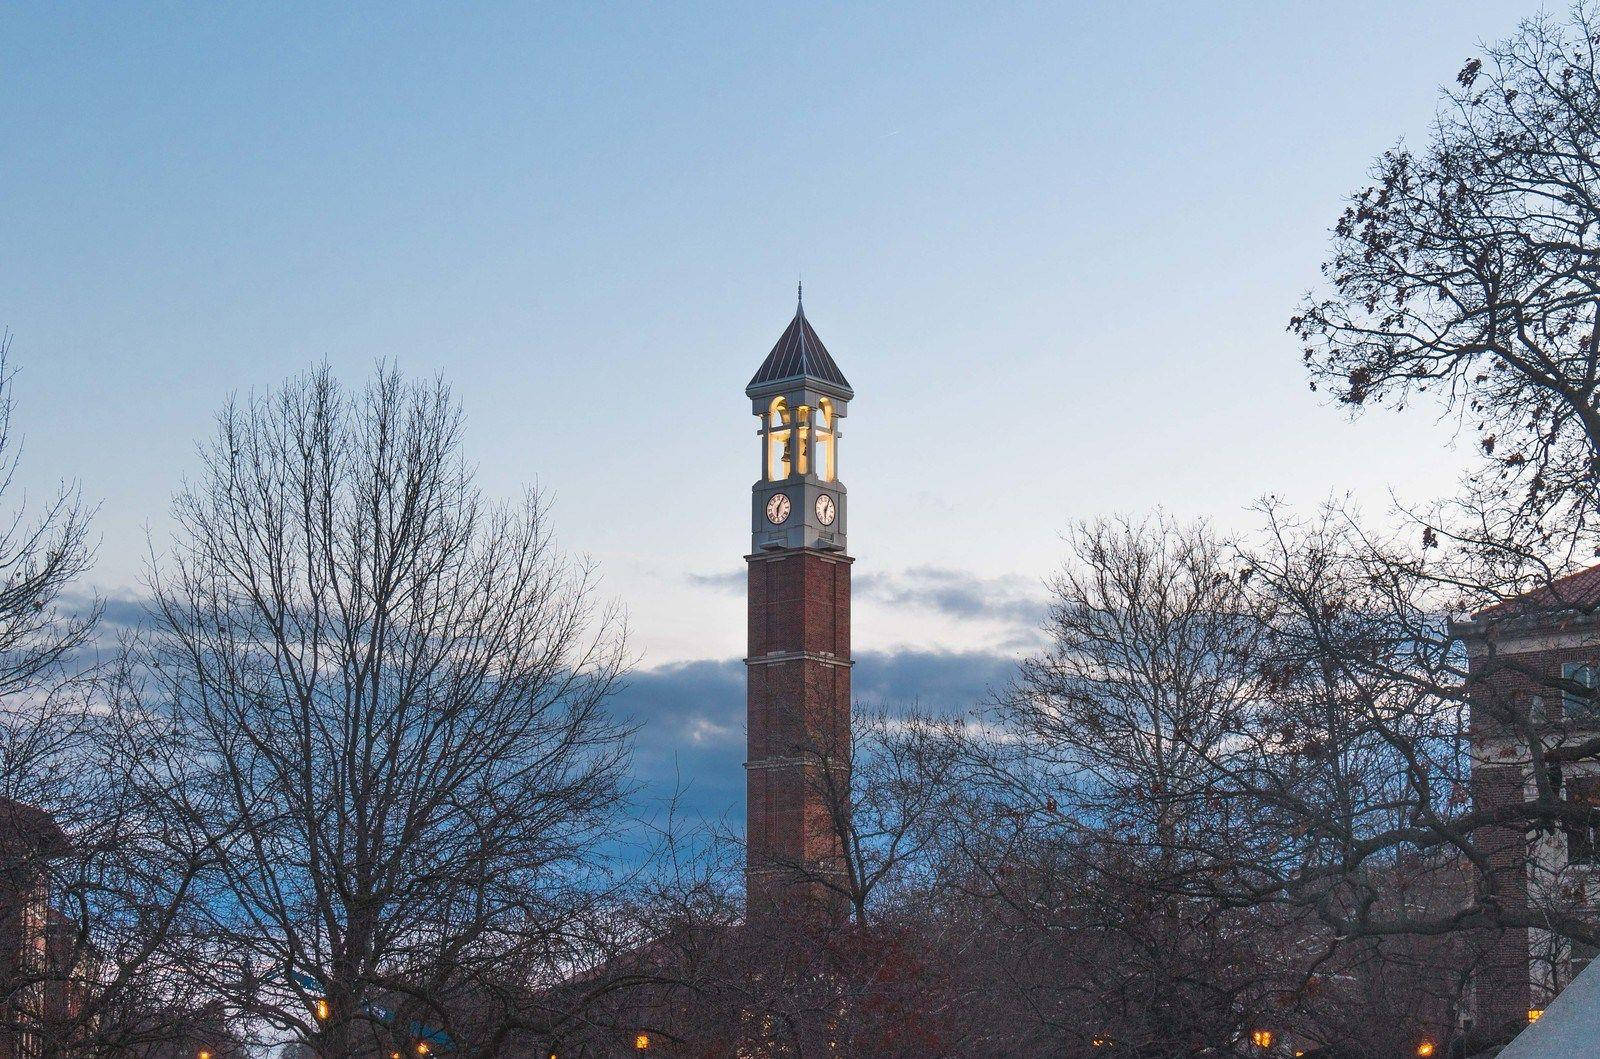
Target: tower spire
<point>799,355</point>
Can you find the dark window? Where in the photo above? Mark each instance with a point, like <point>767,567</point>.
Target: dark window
<point>1576,703</point>
<point>1582,953</point>
<point>1583,839</point>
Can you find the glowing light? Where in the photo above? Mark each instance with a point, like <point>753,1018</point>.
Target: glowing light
<point>322,1009</point>
<point>1534,1013</point>
<point>1261,1038</point>
<point>1425,1048</point>
<point>641,1042</point>
<point>422,1048</point>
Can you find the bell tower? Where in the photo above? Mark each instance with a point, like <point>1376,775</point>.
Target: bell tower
<point>798,666</point>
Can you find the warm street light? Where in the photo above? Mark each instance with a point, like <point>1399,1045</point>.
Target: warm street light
<point>1425,1048</point>
<point>1261,1038</point>
<point>641,1042</point>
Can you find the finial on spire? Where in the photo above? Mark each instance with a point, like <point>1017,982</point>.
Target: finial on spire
<point>800,295</point>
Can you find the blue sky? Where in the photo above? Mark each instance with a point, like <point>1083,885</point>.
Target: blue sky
<point>1053,247</point>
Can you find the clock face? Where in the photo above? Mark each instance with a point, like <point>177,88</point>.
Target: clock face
<point>825,509</point>
<point>778,508</point>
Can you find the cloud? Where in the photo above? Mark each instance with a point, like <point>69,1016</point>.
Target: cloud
<point>691,716</point>
<point>955,593</point>
<point>958,594</point>
<point>729,581</point>
<point>125,612</point>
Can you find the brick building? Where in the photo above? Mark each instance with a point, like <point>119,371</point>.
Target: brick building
<point>32,993</point>
<point>799,662</point>
<point>1532,663</point>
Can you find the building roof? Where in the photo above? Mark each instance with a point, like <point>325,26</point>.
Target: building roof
<point>27,829</point>
<point>1579,591</point>
<point>800,354</point>
<point>1570,1026</point>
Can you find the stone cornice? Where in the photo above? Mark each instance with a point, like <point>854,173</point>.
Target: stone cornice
<point>775,657</point>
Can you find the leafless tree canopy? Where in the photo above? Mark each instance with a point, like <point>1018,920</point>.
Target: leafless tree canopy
<point>106,873</point>
<point>391,696</point>
<point>1467,272</point>
<point>1193,813</point>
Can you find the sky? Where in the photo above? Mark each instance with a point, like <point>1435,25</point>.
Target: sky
<point>1053,247</point>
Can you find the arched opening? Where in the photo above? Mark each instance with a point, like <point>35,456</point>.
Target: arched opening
<point>823,433</point>
<point>779,440</point>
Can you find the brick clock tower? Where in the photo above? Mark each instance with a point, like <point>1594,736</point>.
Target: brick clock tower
<point>798,767</point>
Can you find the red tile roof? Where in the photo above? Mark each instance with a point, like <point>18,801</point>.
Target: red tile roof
<point>1576,591</point>
<point>26,828</point>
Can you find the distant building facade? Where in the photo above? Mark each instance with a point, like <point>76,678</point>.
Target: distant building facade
<point>1532,664</point>
<point>33,990</point>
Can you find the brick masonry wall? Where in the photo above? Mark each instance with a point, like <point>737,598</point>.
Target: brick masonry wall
<point>1506,686</point>
<point>798,707</point>
<point>19,886</point>
<point>1502,988</point>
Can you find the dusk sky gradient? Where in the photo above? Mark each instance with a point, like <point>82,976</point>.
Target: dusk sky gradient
<point>1053,247</point>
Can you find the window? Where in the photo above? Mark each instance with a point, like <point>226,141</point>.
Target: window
<point>1578,958</point>
<point>35,921</point>
<point>1583,839</point>
<point>1578,702</point>
<point>824,440</point>
<point>780,450</point>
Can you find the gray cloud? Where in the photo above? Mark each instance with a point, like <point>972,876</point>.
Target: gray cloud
<point>938,589</point>
<point>122,612</point>
<point>958,593</point>
<point>692,716</point>
<point>729,581</point>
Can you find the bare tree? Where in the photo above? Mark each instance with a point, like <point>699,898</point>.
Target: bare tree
<point>95,879</point>
<point>1096,767</point>
<point>42,674</point>
<point>1180,792</point>
<point>886,798</point>
<point>857,971</point>
<point>393,701</point>
<point>1466,274</point>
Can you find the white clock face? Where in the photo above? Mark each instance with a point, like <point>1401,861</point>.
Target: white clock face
<point>825,509</point>
<point>778,508</point>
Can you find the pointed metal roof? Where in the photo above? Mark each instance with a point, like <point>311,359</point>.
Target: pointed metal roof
<point>800,354</point>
